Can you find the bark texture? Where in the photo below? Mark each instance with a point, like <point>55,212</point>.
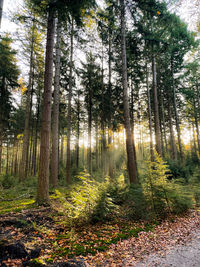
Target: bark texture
<point>43,177</point>
<point>25,151</point>
<point>176,115</point>
<point>55,115</point>
<point>110,158</point>
<point>156,109</point>
<point>78,130</point>
<point>68,164</point>
<point>132,168</point>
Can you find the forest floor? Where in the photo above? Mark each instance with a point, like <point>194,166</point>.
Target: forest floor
<point>178,256</point>
<point>40,236</point>
<point>173,243</point>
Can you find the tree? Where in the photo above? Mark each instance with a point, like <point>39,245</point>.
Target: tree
<point>132,168</point>
<point>55,116</point>
<point>24,160</point>
<point>92,82</point>
<point>68,164</point>
<point>43,177</point>
<point>51,7</point>
<point>9,73</point>
<point>1,10</point>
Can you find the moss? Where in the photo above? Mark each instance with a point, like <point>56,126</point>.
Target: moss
<point>16,205</point>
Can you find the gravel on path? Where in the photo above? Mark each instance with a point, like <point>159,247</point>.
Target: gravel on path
<point>187,255</point>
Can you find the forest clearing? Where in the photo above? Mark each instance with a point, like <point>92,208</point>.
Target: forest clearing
<point>99,133</point>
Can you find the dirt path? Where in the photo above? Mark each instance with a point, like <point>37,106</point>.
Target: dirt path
<point>173,243</point>
<point>187,255</point>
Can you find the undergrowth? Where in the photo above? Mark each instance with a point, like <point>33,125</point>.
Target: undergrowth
<point>88,200</point>
<point>93,215</point>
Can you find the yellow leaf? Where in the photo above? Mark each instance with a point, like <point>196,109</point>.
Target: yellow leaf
<point>22,85</point>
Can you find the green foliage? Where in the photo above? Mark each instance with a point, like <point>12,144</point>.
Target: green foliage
<point>197,195</point>
<point>136,204</point>
<point>87,200</point>
<point>164,196</point>
<point>62,175</point>
<point>105,205</point>
<point>65,8</point>
<point>8,80</point>
<point>180,198</point>
<point>7,181</point>
<point>130,198</point>
<point>178,170</point>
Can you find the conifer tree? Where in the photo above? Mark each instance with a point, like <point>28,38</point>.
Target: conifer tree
<point>132,168</point>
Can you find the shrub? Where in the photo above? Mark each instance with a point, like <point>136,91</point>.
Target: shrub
<point>86,201</point>
<point>103,208</point>
<point>164,196</point>
<point>7,181</point>
<point>30,182</point>
<point>129,197</point>
<point>135,203</point>
<point>180,170</point>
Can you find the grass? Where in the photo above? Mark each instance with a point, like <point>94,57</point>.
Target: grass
<point>16,199</point>
<point>79,240</point>
<point>20,196</point>
<point>61,241</point>
<point>16,206</point>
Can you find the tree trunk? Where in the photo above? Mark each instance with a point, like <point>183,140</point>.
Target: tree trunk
<point>165,147</point>
<point>7,158</point>
<point>43,177</point>
<point>149,114</point>
<point>194,141</point>
<point>68,165</point>
<point>55,115</point>
<point>33,169</point>
<point>132,121</point>
<point>110,159</point>
<point>132,168</point>
<point>176,115</point>
<point>196,125</point>
<point>172,139</point>
<point>78,131</point>
<point>16,159</point>
<point>62,148</point>
<point>35,165</point>
<point>97,144</point>
<point>35,157</point>
<point>13,159</point>
<point>25,150</point>
<point>161,121</point>
<point>89,154</point>
<point>31,151</point>
<point>1,11</point>
<point>1,148</point>
<point>103,137</point>
<point>156,109</point>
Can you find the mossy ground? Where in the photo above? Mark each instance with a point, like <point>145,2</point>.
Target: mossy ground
<point>47,228</point>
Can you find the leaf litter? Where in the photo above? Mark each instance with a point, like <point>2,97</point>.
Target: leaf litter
<point>115,243</point>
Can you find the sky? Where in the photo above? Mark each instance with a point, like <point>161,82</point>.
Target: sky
<point>187,13</point>
<point>8,7</point>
